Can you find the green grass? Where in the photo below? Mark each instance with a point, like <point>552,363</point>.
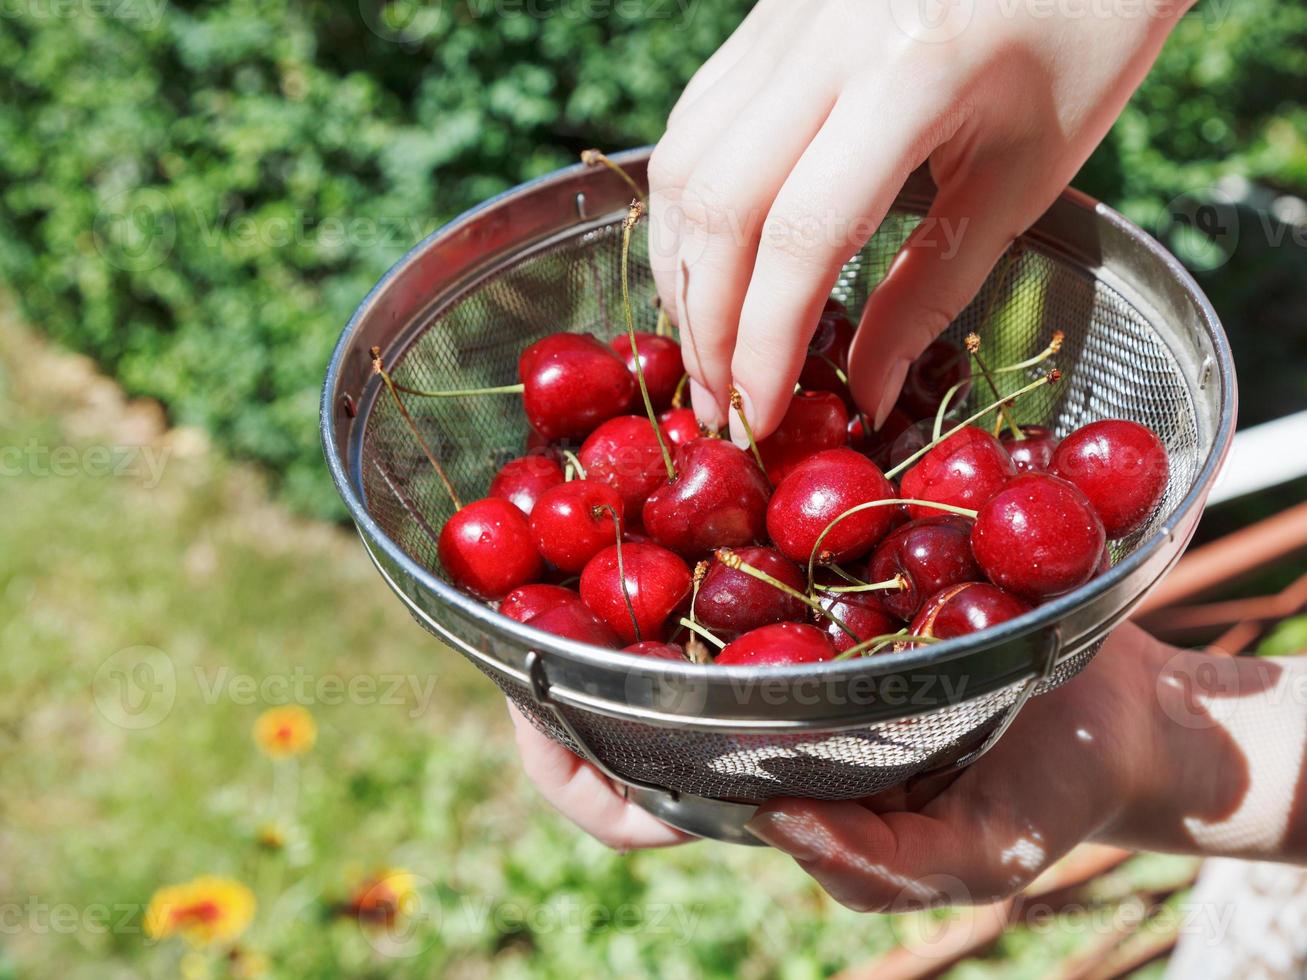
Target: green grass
<point>102,801</point>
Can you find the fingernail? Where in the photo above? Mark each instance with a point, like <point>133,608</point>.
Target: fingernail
<point>706,408</point>
<point>738,435</point>
<point>890,392</point>
<point>785,833</point>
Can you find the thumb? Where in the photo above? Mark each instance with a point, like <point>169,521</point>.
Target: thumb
<point>939,270</point>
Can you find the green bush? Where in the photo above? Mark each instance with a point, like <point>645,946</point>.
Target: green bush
<point>197,194</point>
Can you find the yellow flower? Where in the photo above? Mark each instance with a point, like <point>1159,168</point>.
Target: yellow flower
<point>285,731</point>
<point>271,837</point>
<point>383,897</point>
<point>205,911</point>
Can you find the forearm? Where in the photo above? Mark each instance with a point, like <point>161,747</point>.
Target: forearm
<point>1223,769</point>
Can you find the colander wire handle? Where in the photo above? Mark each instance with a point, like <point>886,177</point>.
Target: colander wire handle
<point>1052,647</point>
<point>535,669</point>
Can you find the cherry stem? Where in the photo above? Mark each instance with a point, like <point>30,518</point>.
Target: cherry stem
<point>1052,377</point>
<point>695,628</point>
<point>700,570</point>
<point>663,325</point>
<point>883,640</point>
<point>596,158</point>
<point>844,378</point>
<point>632,216</point>
<point>859,508</point>
<point>574,463</point>
<point>1054,346</point>
<point>943,408</point>
<point>731,560</point>
<point>678,396</point>
<point>898,583</point>
<point>514,389</point>
<point>1003,414</point>
<point>737,403</point>
<point>621,571</point>
<point>845,575</point>
<point>379,368</point>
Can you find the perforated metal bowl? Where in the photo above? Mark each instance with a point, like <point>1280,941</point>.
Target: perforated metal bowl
<point>700,745</point>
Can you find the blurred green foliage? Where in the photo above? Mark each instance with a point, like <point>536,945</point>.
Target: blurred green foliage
<point>198,194</point>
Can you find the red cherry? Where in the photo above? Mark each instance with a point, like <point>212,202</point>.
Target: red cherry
<point>487,549</point>
<point>528,601</point>
<point>660,358</point>
<point>1122,468</point>
<point>815,420</point>
<point>930,376</point>
<point>624,454</point>
<point>1034,453</point>
<point>571,383</point>
<point>964,470</point>
<point>862,612</point>
<point>680,425</point>
<point>569,525</point>
<point>930,554</point>
<point>731,601</point>
<point>522,481</point>
<point>966,607</point>
<point>1038,537</point>
<point>574,621</point>
<point>816,492</point>
<point>718,500</point>
<point>657,581</point>
<point>779,643</point>
<point>659,651</point>
<point>881,447</point>
<point>828,349</point>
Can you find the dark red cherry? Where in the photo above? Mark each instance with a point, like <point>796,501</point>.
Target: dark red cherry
<point>1038,537</point>
<point>718,500</point>
<point>966,607</point>
<point>528,601</point>
<point>679,425</point>
<point>1034,453</point>
<point>930,554</point>
<point>1122,468</point>
<point>624,454</point>
<point>862,612</point>
<point>828,349</point>
<point>929,378</point>
<point>572,382</point>
<point>731,601</point>
<point>778,644</point>
<point>880,447</point>
<point>964,470</point>
<point>657,581</point>
<point>523,480</point>
<point>815,420</point>
<point>487,549</point>
<point>660,357</point>
<point>909,440</point>
<point>569,525</point>
<point>574,621</point>
<point>656,650</point>
<point>819,490</point>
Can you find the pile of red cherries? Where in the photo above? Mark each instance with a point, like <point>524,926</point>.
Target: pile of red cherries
<point>628,527</point>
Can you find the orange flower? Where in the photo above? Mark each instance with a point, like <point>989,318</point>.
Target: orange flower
<point>285,731</point>
<point>382,898</point>
<point>205,911</point>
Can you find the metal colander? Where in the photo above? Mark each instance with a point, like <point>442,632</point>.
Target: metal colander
<point>700,745</point>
